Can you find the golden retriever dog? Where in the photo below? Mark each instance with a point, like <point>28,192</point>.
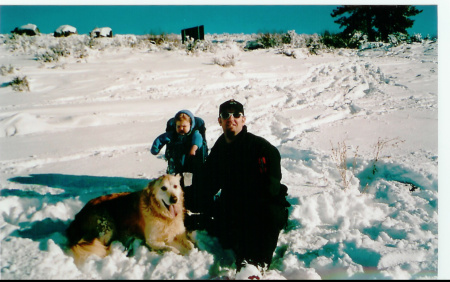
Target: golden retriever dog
<point>154,215</point>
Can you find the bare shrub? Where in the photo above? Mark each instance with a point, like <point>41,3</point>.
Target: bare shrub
<point>287,52</point>
<point>194,46</point>
<point>229,60</point>
<point>269,40</point>
<point>157,39</point>
<point>5,70</point>
<point>190,45</point>
<point>21,43</point>
<point>169,42</point>
<point>339,156</point>
<point>380,146</point>
<point>314,45</point>
<point>20,84</point>
<point>53,53</point>
<point>80,52</point>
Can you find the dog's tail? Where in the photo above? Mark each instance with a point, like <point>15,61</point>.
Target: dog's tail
<point>84,249</point>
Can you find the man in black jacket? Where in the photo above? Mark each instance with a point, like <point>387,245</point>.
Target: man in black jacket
<point>250,210</point>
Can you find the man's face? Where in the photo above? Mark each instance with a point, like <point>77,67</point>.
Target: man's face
<point>232,125</point>
<point>183,127</point>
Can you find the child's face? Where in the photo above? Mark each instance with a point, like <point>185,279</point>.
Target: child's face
<point>183,127</point>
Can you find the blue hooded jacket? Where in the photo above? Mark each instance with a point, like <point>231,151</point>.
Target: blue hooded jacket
<point>178,145</point>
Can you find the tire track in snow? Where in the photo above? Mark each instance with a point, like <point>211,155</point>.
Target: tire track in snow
<point>337,91</point>
<point>24,164</point>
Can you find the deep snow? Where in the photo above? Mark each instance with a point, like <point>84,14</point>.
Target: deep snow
<point>86,126</point>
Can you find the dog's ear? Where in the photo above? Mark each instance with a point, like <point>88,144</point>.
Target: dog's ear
<point>178,176</point>
<point>151,184</point>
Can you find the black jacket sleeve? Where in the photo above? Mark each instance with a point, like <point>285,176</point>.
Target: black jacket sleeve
<point>274,173</point>
<point>269,166</point>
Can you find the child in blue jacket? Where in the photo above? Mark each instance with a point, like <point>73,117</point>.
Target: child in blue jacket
<point>186,147</point>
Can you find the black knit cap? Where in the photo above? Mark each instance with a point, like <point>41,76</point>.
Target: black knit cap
<point>231,104</point>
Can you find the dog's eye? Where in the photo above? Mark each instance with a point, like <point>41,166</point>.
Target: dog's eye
<point>164,188</point>
<point>175,186</point>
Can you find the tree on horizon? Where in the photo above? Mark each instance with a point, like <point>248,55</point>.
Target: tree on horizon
<point>375,21</point>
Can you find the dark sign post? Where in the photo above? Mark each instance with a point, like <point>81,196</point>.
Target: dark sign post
<point>197,32</point>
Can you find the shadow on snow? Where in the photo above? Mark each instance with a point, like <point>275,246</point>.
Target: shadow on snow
<point>83,186</point>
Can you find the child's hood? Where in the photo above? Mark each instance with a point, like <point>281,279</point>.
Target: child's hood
<point>191,115</point>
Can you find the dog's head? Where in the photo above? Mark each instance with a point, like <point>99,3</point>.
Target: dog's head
<point>166,196</point>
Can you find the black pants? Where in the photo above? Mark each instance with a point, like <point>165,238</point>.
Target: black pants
<point>253,236</point>
<point>255,246</point>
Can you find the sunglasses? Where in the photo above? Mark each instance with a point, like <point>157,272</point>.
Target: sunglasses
<point>228,115</point>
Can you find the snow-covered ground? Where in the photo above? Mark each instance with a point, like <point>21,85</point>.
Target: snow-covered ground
<point>86,126</point>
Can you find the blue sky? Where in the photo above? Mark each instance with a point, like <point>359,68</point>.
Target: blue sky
<point>144,19</point>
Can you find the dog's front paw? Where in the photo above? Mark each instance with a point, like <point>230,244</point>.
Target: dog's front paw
<point>188,247</point>
<point>162,250</point>
<point>161,247</point>
<point>185,246</point>
<point>173,249</point>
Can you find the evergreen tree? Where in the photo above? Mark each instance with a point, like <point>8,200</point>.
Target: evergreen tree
<point>375,21</point>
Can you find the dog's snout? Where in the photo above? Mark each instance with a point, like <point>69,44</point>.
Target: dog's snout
<point>173,199</point>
